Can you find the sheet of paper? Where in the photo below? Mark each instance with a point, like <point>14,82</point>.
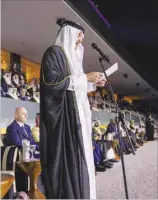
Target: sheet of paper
<point>111,70</point>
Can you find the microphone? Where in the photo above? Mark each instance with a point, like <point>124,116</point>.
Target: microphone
<point>104,57</point>
<point>94,45</point>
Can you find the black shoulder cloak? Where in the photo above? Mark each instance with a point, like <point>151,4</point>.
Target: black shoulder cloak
<point>64,168</point>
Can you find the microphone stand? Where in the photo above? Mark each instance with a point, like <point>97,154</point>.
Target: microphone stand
<point>120,115</point>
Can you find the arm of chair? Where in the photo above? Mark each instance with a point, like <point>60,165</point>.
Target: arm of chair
<point>9,157</point>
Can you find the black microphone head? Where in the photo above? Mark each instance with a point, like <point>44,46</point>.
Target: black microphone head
<point>94,45</point>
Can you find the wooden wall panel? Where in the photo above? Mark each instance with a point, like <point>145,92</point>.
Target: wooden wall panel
<point>30,68</point>
<point>5,59</point>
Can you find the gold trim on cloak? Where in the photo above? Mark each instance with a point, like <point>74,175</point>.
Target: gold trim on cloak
<point>61,80</point>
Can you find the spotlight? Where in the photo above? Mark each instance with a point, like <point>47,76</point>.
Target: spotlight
<point>137,84</point>
<point>146,90</point>
<point>125,75</point>
<point>154,95</point>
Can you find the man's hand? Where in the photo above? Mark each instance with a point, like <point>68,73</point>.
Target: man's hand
<point>101,83</point>
<point>94,77</point>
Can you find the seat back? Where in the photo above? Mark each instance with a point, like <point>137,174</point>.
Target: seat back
<point>9,156</point>
<point>1,142</point>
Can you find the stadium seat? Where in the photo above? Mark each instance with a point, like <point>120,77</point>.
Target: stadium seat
<point>9,157</point>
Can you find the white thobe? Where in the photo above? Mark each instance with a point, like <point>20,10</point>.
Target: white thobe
<point>79,84</point>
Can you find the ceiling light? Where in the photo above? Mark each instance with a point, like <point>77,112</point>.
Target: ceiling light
<point>125,75</point>
<point>137,84</point>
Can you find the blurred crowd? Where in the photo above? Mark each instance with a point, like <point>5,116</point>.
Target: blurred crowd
<point>105,139</point>
<point>105,136</point>
<point>14,85</point>
<point>106,143</point>
<point>102,101</point>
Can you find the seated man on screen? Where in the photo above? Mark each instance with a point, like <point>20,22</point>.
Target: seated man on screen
<point>36,97</point>
<point>132,133</point>
<point>100,151</point>
<point>23,96</point>
<point>111,137</point>
<point>12,93</point>
<point>18,130</point>
<point>22,84</point>
<point>97,130</point>
<point>5,82</point>
<point>142,131</point>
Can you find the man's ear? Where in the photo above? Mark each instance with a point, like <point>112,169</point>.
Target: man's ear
<point>16,116</point>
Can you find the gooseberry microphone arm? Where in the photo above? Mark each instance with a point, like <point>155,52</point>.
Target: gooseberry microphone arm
<point>106,59</point>
<point>118,110</point>
<point>120,117</point>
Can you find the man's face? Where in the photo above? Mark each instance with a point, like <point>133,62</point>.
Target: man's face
<point>120,123</point>
<point>15,67</point>
<point>22,115</point>
<point>132,123</point>
<point>7,75</point>
<point>112,121</point>
<point>7,78</point>
<point>13,91</point>
<point>23,92</point>
<point>79,38</point>
<point>36,94</point>
<point>96,124</point>
<point>16,79</point>
<point>98,94</point>
<point>22,81</point>
<point>37,120</point>
<point>32,82</point>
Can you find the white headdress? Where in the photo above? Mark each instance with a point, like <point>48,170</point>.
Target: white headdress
<point>66,39</point>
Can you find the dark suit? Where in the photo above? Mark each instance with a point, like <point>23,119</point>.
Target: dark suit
<point>149,129</point>
<point>97,153</point>
<point>112,128</point>
<point>4,86</point>
<point>24,98</point>
<point>14,136</point>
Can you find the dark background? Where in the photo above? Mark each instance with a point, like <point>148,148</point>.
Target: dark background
<point>135,25</point>
<point>133,31</point>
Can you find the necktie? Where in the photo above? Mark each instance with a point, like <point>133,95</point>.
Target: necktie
<point>24,131</point>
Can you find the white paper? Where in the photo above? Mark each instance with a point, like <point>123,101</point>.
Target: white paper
<point>110,154</point>
<point>111,70</point>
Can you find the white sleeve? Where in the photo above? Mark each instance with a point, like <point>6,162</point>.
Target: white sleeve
<point>78,82</point>
<point>91,87</point>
